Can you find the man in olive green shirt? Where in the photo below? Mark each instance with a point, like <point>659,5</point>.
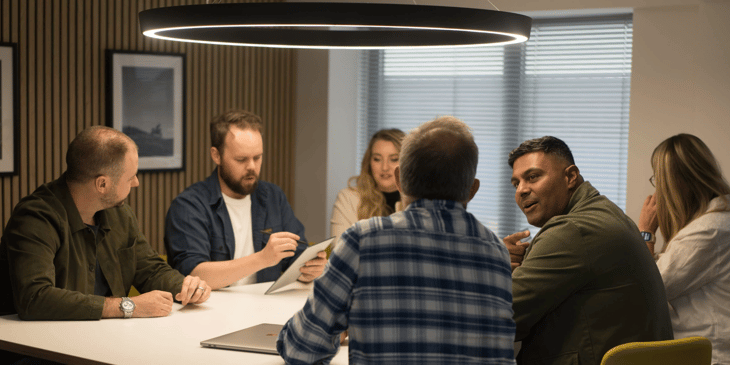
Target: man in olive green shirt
<point>587,282</point>
<point>72,249</point>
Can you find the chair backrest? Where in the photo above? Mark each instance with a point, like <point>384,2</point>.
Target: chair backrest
<point>684,351</point>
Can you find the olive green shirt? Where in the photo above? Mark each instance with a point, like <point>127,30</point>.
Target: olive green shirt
<point>587,283</point>
<point>50,256</point>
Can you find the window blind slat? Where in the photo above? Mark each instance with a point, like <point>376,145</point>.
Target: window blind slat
<point>570,80</point>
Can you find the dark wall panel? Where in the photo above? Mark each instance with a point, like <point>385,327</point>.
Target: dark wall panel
<point>61,45</point>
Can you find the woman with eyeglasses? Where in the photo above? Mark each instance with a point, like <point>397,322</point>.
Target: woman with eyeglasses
<point>691,207</point>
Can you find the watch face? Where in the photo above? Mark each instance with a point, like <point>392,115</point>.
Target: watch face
<point>646,236</point>
<point>128,305</point>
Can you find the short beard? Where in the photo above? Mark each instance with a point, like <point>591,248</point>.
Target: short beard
<point>237,186</point>
<point>109,202</point>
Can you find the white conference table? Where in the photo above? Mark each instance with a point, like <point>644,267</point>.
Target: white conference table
<point>174,339</point>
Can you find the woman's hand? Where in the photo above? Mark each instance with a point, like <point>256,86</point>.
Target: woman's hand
<point>647,219</point>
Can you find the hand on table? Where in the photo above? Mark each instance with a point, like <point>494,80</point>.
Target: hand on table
<point>193,290</point>
<point>156,303</point>
<point>313,268</point>
<point>516,248</point>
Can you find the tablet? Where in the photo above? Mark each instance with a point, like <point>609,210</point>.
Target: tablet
<point>292,273</point>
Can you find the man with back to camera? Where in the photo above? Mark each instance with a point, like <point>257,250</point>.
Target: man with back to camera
<point>74,248</point>
<point>429,284</point>
<point>232,228</point>
<point>585,283</point>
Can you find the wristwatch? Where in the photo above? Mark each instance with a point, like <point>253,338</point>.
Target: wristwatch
<point>648,236</point>
<point>127,306</point>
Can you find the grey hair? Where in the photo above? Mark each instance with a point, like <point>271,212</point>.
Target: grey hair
<point>438,160</point>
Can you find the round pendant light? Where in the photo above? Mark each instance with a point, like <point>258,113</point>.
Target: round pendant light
<point>334,25</point>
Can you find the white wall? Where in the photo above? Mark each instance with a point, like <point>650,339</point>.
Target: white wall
<point>342,162</point>
<point>680,83</point>
<point>326,135</point>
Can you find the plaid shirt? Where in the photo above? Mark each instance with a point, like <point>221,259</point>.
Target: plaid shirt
<point>427,285</point>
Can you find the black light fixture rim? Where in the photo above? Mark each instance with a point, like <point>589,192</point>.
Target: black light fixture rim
<point>358,17</point>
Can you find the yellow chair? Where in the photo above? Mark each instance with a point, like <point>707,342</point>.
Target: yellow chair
<point>684,351</point>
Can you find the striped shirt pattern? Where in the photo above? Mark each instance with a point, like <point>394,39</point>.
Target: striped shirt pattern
<point>427,285</point>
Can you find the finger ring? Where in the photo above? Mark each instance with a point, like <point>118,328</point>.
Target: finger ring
<point>201,288</point>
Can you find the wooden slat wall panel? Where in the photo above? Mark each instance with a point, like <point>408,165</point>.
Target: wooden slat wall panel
<point>61,46</point>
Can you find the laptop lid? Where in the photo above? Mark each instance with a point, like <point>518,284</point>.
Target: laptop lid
<point>292,273</point>
<point>260,338</point>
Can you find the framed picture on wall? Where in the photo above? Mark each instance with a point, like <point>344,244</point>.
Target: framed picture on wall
<point>9,102</point>
<point>146,101</point>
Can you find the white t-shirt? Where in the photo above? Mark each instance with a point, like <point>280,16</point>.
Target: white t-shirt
<point>240,212</point>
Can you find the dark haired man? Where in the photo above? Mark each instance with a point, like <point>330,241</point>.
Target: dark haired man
<point>73,249</point>
<point>428,285</point>
<point>232,228</point>
<point>586,283</point>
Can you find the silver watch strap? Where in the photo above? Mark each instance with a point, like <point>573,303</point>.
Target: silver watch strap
<point>127,312</point>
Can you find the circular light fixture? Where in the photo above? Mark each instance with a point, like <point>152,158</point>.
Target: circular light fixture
<point>334,25</point>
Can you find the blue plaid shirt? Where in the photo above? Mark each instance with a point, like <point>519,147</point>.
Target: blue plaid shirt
<point>427,285</point>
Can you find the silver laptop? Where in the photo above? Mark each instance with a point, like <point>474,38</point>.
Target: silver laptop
<point>259,338</point>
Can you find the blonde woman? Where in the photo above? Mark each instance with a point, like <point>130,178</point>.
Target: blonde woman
<point>373,192</point>
<point>691,207</point>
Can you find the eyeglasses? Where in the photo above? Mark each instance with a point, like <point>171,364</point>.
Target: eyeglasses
<point>651,180</point>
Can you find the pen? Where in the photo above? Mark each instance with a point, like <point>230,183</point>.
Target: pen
<point>267,231</point>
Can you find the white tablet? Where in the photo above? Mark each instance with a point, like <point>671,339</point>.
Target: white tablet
<point>292,273</point>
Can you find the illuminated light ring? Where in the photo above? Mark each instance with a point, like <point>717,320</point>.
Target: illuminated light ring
<point>334,25</point>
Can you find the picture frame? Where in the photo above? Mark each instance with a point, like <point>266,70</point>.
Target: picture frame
<point>9,109</point>
<point>146,101</point>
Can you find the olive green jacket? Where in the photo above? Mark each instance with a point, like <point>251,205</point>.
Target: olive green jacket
<point>48,256</point>
<point>587,284</point>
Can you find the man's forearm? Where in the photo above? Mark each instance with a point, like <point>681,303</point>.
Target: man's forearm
<point>111,308</point>
<point>58,304</point>
<point>219,274</point>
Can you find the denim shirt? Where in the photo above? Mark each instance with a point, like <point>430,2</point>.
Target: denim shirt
<point>198,228</point>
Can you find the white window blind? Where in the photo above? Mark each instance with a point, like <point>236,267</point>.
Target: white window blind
<point>571,80</point>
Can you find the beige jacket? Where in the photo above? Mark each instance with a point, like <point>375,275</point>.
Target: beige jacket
<point>344,212</point>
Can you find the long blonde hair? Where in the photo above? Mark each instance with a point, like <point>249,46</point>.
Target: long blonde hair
<point>372,201</point>
<point>687,178</point>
